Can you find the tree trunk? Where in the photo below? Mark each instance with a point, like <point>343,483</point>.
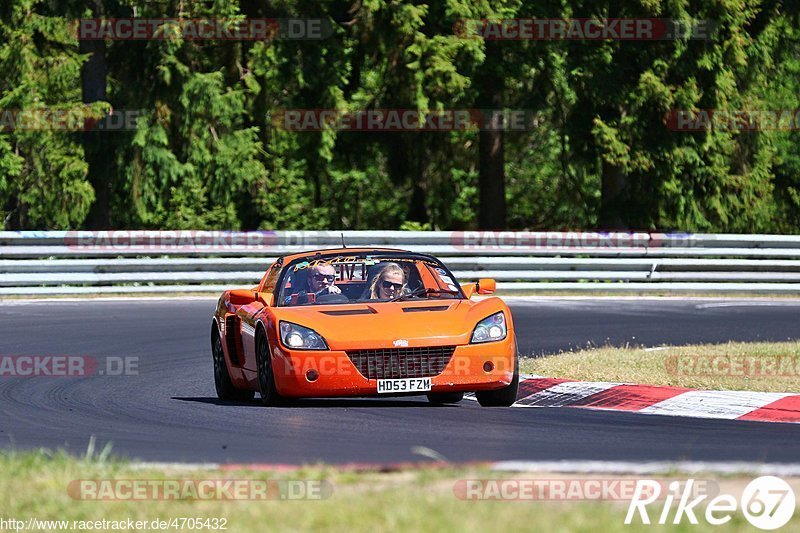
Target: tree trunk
<point>491,153</point>
<point>418,210</point>
<point>96,145</point>
<point>612,200</point>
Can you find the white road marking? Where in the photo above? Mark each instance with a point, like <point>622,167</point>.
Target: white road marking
<point>650,467</point>
<point>25,301</point>
<point>714,404</point>
<point>564,394</point>
<point>174,466</point>
<point>587,467</point>
<point>720,299</point>
<point>753,303</point>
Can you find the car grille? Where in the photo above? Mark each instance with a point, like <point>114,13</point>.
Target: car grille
<point>398,363</point>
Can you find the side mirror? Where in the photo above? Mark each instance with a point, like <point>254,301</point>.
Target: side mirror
<point>469,289</point>
<point>486,286</point>
<point>266,298</point>
<point>242,296</point>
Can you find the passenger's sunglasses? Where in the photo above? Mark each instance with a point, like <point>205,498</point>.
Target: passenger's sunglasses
<point>327,277</point>
<point>388,285</point>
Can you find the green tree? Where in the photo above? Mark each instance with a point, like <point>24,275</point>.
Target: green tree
<point>43,174</point>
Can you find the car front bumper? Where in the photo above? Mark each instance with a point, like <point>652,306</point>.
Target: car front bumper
<point>331,373</point>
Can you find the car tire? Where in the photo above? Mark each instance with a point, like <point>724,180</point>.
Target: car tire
<point>222,379</point>
<point>504,397</point>
<point>441,398</point>
<point>266,377</point>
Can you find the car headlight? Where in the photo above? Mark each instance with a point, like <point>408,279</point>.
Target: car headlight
<point>298,337</point>
<point>491,328</point>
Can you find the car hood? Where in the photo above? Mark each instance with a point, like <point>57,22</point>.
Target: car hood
<point>396,324</point>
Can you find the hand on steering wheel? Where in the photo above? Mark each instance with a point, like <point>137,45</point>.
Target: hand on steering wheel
<point>330,289</point>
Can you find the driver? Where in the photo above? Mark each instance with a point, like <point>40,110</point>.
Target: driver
<point>321,280</point>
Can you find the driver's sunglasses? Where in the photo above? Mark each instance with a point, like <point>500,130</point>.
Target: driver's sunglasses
<point>327,277</point>
<point>388,285</point>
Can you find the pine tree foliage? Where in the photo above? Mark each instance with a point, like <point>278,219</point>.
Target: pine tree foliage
<point>209,149</point>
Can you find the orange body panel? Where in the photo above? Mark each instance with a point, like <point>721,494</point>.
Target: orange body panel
<point>425,324</point>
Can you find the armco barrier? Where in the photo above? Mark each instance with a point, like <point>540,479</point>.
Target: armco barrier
<point>84,262</point>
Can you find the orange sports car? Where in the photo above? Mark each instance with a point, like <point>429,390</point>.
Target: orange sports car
<point>363,322</point>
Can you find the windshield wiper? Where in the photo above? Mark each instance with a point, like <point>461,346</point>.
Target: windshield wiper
<point>420,292</point>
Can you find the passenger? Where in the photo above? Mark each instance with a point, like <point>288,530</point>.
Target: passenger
<point>388,283</point>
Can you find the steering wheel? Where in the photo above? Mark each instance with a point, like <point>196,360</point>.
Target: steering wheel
<point>331,298</point>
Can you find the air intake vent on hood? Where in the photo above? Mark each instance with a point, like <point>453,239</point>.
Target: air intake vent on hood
<point>346,312</point>
<point>431,308</point>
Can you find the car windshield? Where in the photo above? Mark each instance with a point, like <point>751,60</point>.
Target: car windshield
<point>365,277</point>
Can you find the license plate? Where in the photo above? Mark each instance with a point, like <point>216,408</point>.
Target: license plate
<point>386,386</point>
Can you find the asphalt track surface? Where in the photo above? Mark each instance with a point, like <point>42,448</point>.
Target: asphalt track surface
<point>169,412</point>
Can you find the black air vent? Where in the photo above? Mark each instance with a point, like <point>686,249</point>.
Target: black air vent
<point>346,312</point>
<point>420,309</point>
<point>233,337</point>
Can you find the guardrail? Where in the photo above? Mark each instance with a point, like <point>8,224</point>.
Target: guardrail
<point>83,262</point>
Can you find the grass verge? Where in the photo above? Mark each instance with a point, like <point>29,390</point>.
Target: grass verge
<point>35,485</point>
<point>770,367</point>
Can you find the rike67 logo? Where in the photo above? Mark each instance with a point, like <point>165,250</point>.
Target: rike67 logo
<point>767,502</point>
